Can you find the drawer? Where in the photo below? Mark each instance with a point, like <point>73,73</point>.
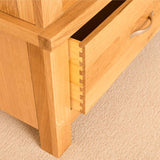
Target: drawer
<point>105,46</point>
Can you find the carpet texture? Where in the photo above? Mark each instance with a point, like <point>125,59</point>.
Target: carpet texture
<point>123,125</point>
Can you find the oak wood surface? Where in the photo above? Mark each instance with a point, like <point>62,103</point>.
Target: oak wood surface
<point>9,7</point>
<point>50,75</point>
<point>49,11</point>
<point>39,12</point>
<point>25,10</point>
<point>22,9</point>
<point>75,76</point>
<point>20,29</point>
<point>16,91</point>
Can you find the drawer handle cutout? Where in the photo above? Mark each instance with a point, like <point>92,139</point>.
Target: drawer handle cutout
<point>143,30</point>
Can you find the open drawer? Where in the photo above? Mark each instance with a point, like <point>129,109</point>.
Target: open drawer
<point>106,45</point>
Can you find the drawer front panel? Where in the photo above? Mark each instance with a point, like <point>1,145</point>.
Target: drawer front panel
<point>108,50</point>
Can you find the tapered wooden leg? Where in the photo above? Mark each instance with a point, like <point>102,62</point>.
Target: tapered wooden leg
<point>50,77</point>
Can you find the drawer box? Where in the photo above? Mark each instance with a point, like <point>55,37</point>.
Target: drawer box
<point>100,53</point>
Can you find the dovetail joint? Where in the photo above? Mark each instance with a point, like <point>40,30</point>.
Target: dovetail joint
<point>82,78</point>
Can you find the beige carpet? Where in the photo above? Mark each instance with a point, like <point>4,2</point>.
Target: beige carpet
<point>123,125</point>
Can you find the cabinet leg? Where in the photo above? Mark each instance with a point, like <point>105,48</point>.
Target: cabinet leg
<point>50,77</point>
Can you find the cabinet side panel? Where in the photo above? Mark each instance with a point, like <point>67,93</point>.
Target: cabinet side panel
<point>16,92</point>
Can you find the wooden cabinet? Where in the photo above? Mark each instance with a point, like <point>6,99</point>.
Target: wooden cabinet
<point>59,57</point>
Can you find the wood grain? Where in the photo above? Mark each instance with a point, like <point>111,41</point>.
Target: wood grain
<point>22,9</point>
<point>66,4</point>
<point>75,76</point>
<point>20,29</point>
<point>9,7</point>
<point>16,92</point>
<point>39,12</point>
<point>50,75</point>
<point>46,12</point>
<point>25,10</point>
